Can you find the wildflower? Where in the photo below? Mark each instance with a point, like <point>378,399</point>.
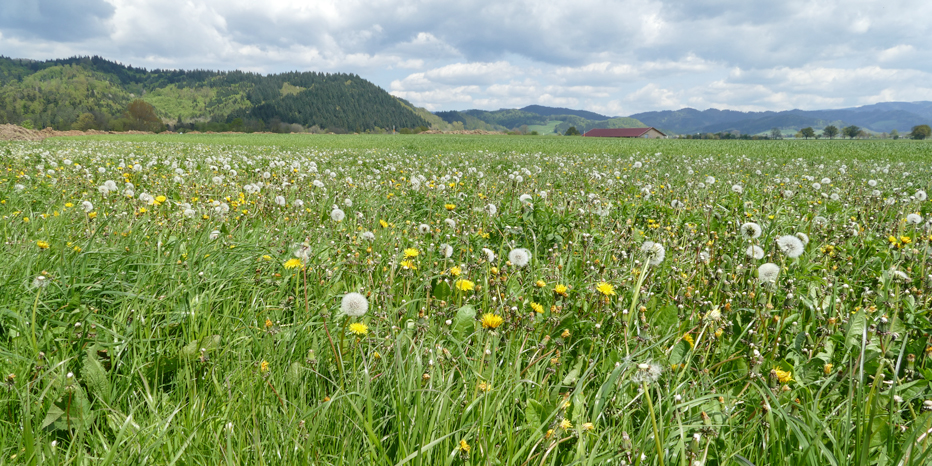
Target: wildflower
<point>606,289</point>
<point>484,386</point>
<point>560,290</point>
<point>519,257</point>
<point>87,206</point>
<point>655,252</point>
<point>367,236</point>
<point>491,321</point>
<point>767,273</point>
<point>423,228</point>
<point>750,230</point>
<point>566,333</point>
<point>280,200</point>
<point>540,283</point>
<point>791,246</point>
<point>586,426</point>
<point>408,265</point>
<point>714,315</point>
<point>565,424</point>
<point>755,252</point>
<point>383,224</point>
<point>689,339</point>
<point>411,253</point>
<point>264,366</point>
<point>40,281</point>
<point>446,250</point>
<point>42,244</point>
<point>827,369</point>
<point>354,304</point>
<point>803,237</point>
<point>268,323</point>
<point>489,254</point>
<point>913,219</point>
<point>337,215</point>
<point>537,308</point>
<point>359,329</point>
<point>450,223</point>
<point>455,271</point>
<point>464,447</point>
<point>647,373</point>
<point>449,206</point>
<point>782,376</point>
<point>920,195</point>
<point>465,285</point>
<point>292,263</point>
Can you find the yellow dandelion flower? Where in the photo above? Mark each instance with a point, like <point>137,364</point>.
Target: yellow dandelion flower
<point>359,329</point>
<point>494,270</point>
<point>42,244</point>
<point>411,252</point>
<point>565,424</point>
<point>689,339</point>
<point>465,285</point>
<point>464,447</point>
<point>264,366</point>
<point>491,321</point>
<point>587,426</point>
<point>540,283</point>
<point>566,333</point>
<point>92,215</point>
<point>484,386</point>
<point>606,289</point>
<point>449,206</point>
<point>827,369</point>
<point>292,263</point>
<point>561,290</point>
<point>268,323</point>
<point>537,308</point>
<point>783,376</point>
<point>408,265</point>
<point>456,271</point>
<point>68,204</point>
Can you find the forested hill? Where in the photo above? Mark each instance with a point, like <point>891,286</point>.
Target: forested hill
<point>93,92</point>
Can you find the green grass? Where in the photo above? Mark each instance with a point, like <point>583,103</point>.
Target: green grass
<point>168,330</point>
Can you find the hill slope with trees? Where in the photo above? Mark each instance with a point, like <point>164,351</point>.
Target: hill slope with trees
<point>96,93</point>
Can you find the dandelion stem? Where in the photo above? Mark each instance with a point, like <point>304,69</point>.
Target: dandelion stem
<point>653,420</point>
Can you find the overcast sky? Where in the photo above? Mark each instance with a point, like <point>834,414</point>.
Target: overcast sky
<point>612,57</point>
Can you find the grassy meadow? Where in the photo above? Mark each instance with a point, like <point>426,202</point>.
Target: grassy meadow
<point>464,300</point>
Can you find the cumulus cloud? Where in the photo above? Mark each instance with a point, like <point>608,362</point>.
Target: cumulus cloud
<point>614,57</point>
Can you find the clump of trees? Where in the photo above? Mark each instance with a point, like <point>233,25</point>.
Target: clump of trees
<point>920,132</point>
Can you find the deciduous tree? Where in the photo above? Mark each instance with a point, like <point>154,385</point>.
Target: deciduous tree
<point>831,131</point>
<point>921,132</point>
<point>807,132</point>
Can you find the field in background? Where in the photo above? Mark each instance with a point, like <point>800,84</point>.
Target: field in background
<point>521,300</point>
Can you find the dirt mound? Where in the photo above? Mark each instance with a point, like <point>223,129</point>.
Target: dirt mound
<point>18,133</point>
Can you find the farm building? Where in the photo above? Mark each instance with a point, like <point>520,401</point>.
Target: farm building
<point>646,133</point>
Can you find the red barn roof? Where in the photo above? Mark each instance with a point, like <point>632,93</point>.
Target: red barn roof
<point>619,132</point>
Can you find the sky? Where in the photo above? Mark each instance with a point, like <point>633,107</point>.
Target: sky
<point>612,57</point>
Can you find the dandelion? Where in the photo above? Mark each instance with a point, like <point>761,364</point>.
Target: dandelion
<point>280,200</point>
<point>41,281</point>
<point>264,366</point>
<point>410,253</point>
<point>767,273</point>
<point>492,209</point>
<point>423,228</point>
<point>913,219</point>
<point>647,373</point>
<point>537,308</point>
<point>525,198</point>
<point>446,250</point>
<point>337,215</point>
<point>450,223</point>
<point>803,237</point>
<point>455,271</point>
<point>713,315</point>
<point>464,447</point>
<point>560,290</point>
<point>449,206</point>
<point>791,246</point>
<point>87,206</point>
<point>354,304</point>
<point>367,236</point>
<point>489,254</point>
<point>520,257</point>
<point>42,244</point>
<point>755,252</point>
<point>214,235</point>
<point>359,329</point>
<point>782,376</point>
<point>655,252</point>
<point>292,263</point>
<point>737,189</point>
<point>491,321</point>
<point>465,285</point>
<point>750,230</point>
<point>920,195</point>
<point>606,289</point>
<point>565,424</point>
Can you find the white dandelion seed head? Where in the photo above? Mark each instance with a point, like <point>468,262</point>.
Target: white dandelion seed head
<point>790,245</point>
<point>647,372</point>
<point>450,223</point>
<point>520,257</point>
<point>492,209</point>
<point>489,254</point>
<point>367,236</point>
<point>738,189</point>
<point>710,180</point>
<point>348,202</point>
<point>803,237</point>
<point>214,235</point>
<point>446,250</point>
<point>820,221</point>
<point>354,304</point>
<point>280,200</point>
<point>423,228</point>
<point>750,230</point>
<point>298,203</point>
<point>755,252</point>
<point>87,206</point>
<point>920,195</point>
<point>337,215</point>
<point>40,281</point>
<point>872,183</point>
<point>767,273</point>
<point>704,256</point>
<point>913,219</point>
<point>655,252</point>
<point>525,198</point>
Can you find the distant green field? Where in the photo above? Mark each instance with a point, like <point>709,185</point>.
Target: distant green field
<point>545,129</point>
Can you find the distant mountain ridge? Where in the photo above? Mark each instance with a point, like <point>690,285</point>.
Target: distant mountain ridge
<point>544,120</point>
<point>881,118</point>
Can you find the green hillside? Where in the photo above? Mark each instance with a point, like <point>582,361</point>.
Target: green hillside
<point>543,121</point>
<point>56,93</point>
